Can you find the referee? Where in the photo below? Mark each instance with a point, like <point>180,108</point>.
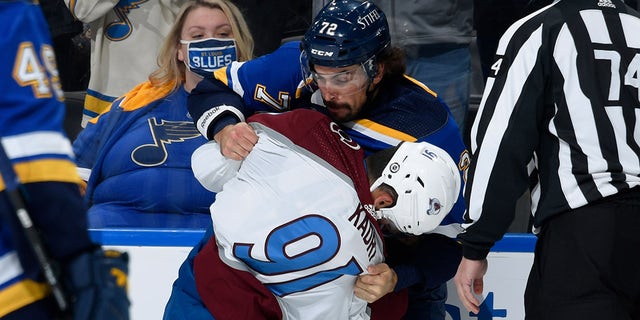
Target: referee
<point>561,106</point>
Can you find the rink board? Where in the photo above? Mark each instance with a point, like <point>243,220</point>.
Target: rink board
<point>156,254</point>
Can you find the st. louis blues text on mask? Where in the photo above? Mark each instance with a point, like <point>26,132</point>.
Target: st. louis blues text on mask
<point>208,55</point>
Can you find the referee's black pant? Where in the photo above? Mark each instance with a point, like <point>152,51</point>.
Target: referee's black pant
<point>587,263</point>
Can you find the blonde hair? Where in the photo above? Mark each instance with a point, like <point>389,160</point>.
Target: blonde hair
<point>170,69</point>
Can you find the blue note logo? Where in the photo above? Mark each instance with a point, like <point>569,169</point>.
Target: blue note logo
<point>163,133</point>
<point>122,27</point>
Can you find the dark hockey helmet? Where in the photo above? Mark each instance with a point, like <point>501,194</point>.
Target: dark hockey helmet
<point>344,33</point>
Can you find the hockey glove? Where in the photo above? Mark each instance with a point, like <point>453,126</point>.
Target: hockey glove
<point>97,284</point>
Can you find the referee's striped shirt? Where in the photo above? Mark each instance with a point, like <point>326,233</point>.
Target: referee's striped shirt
<point>563,97</point>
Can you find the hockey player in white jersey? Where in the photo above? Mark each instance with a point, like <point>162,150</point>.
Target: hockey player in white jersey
<point>299,215</point>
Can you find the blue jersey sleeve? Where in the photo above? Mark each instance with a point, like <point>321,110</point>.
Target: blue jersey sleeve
<point>265,84</point>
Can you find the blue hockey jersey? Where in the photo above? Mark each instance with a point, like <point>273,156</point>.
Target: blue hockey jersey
<point>31,117</point>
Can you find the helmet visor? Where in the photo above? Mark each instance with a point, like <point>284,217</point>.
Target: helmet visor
<point>344,83</point>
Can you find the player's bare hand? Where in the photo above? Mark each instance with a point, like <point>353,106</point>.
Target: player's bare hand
<point>373,286</point>
<point>236,141</point>
<point>469,281</point>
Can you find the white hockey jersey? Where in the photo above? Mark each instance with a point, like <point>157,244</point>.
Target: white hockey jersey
<point>292,219</point>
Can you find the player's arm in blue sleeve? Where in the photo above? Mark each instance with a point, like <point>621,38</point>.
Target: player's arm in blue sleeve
<point>58,210</point>
<point>435,259</point>
<point>212,105</point>
<point>265,84</point>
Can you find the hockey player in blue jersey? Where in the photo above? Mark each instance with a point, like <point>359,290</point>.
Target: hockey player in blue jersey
<point>347,55</point>
<point>37,167</point>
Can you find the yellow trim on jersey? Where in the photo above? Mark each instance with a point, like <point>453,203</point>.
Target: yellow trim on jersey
<point>421,85</point>
<point>94,120</point>
<point>140,96</point>
<point>47,170</point>
<point>145,93</point>
<point>21,294</point>
<point>382,129</point>
<point>96,105</point>
<point>303,83</point>
<point>221,74</point>
<point>72,8</point>
<point>56,170</point>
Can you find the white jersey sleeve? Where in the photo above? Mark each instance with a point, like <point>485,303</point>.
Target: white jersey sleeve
<point>211,168</point>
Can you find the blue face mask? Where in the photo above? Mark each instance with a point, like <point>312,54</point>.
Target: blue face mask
<point>208,55</point>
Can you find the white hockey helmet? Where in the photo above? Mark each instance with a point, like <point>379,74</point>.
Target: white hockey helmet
<point>427,182</point>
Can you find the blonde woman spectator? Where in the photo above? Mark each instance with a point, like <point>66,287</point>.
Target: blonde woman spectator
<point>136,156</point>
